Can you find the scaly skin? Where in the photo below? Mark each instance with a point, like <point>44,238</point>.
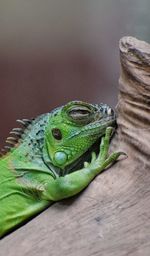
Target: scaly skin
<point>42,167</point>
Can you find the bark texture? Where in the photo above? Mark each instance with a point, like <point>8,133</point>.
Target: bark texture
<point>112,216</point>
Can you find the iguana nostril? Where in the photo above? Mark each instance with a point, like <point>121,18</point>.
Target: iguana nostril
<point>110,111</point>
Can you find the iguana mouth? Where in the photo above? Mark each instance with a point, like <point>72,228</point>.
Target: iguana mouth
<point>86,157</point>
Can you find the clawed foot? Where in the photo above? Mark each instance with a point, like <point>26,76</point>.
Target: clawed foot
<point>102,161</point>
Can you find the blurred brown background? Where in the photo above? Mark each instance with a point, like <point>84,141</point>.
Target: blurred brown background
<point>54,51</point>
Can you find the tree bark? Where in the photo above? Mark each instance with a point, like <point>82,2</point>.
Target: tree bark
<point>112,216</point>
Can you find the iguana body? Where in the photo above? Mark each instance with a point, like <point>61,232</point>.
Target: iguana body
<point>42,167</point>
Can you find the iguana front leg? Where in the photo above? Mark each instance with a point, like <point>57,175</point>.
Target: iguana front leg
<point>71,184</point>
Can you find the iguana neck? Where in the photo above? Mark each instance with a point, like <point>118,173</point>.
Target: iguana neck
<point>28,152</point>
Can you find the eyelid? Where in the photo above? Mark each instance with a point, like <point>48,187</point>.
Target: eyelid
<point>79,113</point>
<point>81,116</point>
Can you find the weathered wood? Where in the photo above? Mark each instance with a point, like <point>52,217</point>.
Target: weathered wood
<point>112,216</point>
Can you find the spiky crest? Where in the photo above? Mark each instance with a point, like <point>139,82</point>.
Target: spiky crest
<point>16,135</point>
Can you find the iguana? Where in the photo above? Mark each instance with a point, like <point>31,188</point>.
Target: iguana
<point>47,160</point>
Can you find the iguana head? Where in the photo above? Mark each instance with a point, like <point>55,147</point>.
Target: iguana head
<point>72,129</point>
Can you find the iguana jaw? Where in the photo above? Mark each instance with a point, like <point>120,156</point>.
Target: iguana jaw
<point>78,163</point>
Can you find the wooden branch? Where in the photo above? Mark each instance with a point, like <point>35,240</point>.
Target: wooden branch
<point>112,216</point>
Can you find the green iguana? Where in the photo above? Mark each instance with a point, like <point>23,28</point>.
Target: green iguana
<point>47,160</point>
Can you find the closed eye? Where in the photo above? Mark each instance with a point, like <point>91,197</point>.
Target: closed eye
<point>77,113</point>
<point>80,115</point>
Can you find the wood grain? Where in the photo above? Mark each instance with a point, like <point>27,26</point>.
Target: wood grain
<point>112,216</point>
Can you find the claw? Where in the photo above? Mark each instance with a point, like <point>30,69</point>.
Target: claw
<point>122,154</point>
<point>112,158</point>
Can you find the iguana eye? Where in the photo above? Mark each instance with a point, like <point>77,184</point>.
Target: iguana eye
<point>80,115</point>
<point>56,133</point>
